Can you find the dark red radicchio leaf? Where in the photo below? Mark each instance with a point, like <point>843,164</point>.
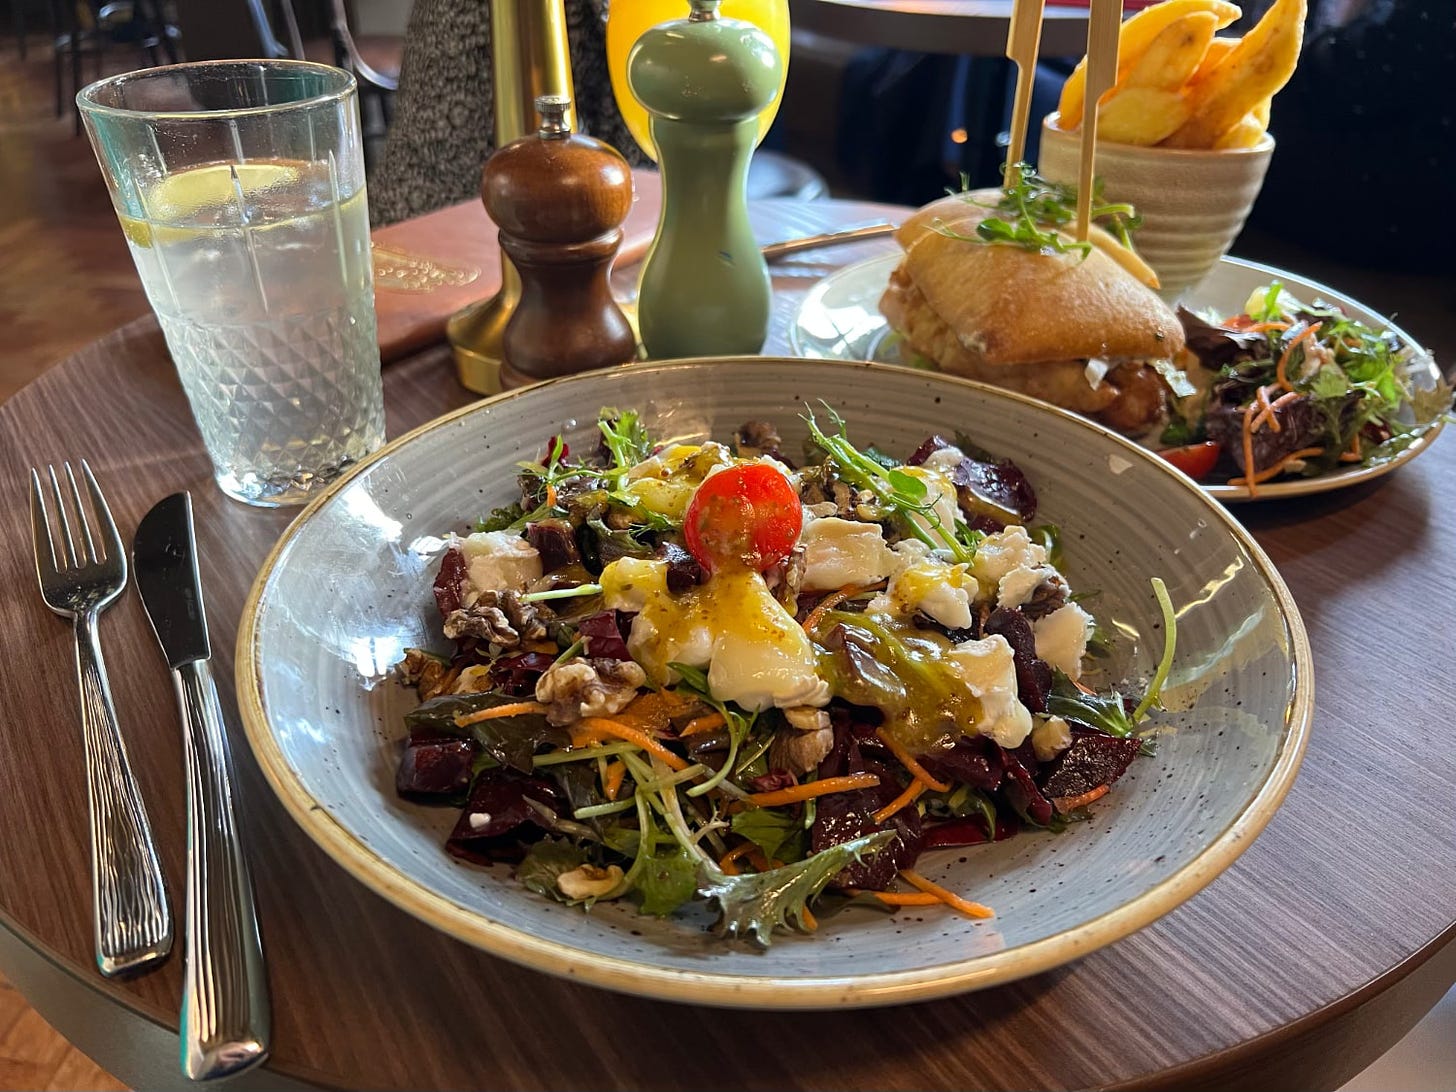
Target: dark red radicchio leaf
<point>1033,675</point>
<point>496,822</point>
<point>772,781</point>
<point>1021,788</point>
<point>1093,760</point>
<point>517,675</point>
<point>434,768</point>
<point>605,635</point>
<point>1216,345</point>
<point>990,489</point>
<point>450,580</point>
<point>969,830</point>
<point>844,816</point>
<point>970,760</point>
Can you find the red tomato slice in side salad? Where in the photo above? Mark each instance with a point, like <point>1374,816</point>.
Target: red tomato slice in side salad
<point>1195,460</point>
<point>747,514</point>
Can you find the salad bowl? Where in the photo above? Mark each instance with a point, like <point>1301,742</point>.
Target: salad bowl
<point>348,588</point>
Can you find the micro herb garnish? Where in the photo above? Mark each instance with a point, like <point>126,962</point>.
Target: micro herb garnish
<point>739,724</point>
<point>899,492</point>
<point>1037,207</point>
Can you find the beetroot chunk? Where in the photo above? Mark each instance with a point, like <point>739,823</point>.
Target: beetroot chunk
<point>1021,788</point>
<point>497,821</point>
<point>450,580</point>
<point>1033,675</point>
<point>970,760</point>
<point>435,767</point>
<point>1093,760</point>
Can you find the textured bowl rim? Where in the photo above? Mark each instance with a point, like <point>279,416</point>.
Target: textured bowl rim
<point>767,992</point>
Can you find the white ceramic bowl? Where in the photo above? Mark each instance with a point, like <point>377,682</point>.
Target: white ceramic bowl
<point>1193,202</point>
<point>348,588</point>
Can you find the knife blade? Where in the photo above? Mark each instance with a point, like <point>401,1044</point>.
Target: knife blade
<point>171,588</point>
<point>226,1013</point>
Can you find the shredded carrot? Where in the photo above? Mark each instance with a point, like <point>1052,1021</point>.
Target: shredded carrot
<point>1071,803</point>
<point>1279,371</point>
<point>647,711</point>
<point>616,774</point>
<point>1248,433</point>
<point>905,799</point>
<point>729,861</point>
<point>832,600</point>
<point>1080,685</point>
<point>1352,453</point>
<point>906,898</point>
<point>810,921</point>
<point>950,898</point>
<point>908,761</point>
<point>550,495</point>
<point>1266,411</point>
<point>814,788</point>
<point>510,709</point>
<point>592,728</point>
<point>703,724</point>
<point>1278,468</point>
<point>1260,327</point>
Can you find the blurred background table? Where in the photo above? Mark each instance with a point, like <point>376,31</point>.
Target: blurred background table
<point>1318,949</point>
<point>971,27</point>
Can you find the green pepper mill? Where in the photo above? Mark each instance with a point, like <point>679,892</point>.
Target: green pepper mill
<point>704,81</point>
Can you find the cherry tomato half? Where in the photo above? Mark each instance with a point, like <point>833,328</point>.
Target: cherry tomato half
<point>1195,460</point>
<point>747,514</point>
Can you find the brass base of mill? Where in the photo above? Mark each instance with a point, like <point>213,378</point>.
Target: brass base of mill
<point>476,334</point>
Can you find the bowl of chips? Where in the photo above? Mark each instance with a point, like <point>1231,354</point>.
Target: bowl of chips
<point>1183,134</point>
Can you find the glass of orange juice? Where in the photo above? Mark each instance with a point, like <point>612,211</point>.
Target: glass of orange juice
<point>626,21</point>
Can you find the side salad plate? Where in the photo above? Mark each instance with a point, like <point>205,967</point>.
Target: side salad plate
<point>774,683</point>
<point>840,319</point>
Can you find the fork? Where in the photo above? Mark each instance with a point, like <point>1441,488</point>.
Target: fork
<point>131,916</point>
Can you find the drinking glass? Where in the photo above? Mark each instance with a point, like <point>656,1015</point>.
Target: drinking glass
<point>628,19</point>
<point>240,189</point>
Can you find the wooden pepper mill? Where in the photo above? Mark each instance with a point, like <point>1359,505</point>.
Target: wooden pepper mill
<point>559,199</point>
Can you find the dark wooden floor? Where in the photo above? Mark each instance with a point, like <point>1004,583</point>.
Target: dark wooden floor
<point>65,275</point>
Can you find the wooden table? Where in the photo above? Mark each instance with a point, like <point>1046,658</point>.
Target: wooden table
<point>974,28</point>
<point>1319,948</point>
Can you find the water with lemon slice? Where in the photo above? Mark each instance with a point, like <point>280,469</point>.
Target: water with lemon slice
<point>260,276</point>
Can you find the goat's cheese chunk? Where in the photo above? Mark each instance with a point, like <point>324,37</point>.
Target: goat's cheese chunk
<point>1020,584</point>
<point>1050,737</point>
<point>756,655</point>
<point>923,582</point>
<point>839,552</point>
<point>1000,553</point>
<point>1061,638</point>
<point>988,669</point>
<point>497,561</point>
<point>944,460</point>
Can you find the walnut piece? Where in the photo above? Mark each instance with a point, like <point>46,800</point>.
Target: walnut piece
<point>798,751</point>
<point>426,673</point>
<point>500,618</point>
<point>588,687</point>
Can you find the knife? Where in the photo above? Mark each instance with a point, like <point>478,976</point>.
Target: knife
<point>225,1007</point>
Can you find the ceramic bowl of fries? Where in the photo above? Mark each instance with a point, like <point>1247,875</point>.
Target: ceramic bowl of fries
<point>1192,202</point>
<point>1182,135</point>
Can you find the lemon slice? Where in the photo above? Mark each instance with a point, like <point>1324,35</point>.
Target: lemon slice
<point>182,204</point>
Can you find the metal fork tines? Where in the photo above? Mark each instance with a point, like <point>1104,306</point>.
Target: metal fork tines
<point>78,580</point>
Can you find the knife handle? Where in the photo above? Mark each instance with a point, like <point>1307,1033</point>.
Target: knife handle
<point>133,923</point>
<point>225,1007</point>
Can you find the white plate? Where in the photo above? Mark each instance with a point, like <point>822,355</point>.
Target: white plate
<point>840,319</point>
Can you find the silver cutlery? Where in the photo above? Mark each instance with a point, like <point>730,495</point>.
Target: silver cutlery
<point>131,916</point>
<point>225,1006</point>
<point>773,251</point>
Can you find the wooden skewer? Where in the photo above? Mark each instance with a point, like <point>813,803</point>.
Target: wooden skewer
<point>1103,23</point>
<point>1023,43</point>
